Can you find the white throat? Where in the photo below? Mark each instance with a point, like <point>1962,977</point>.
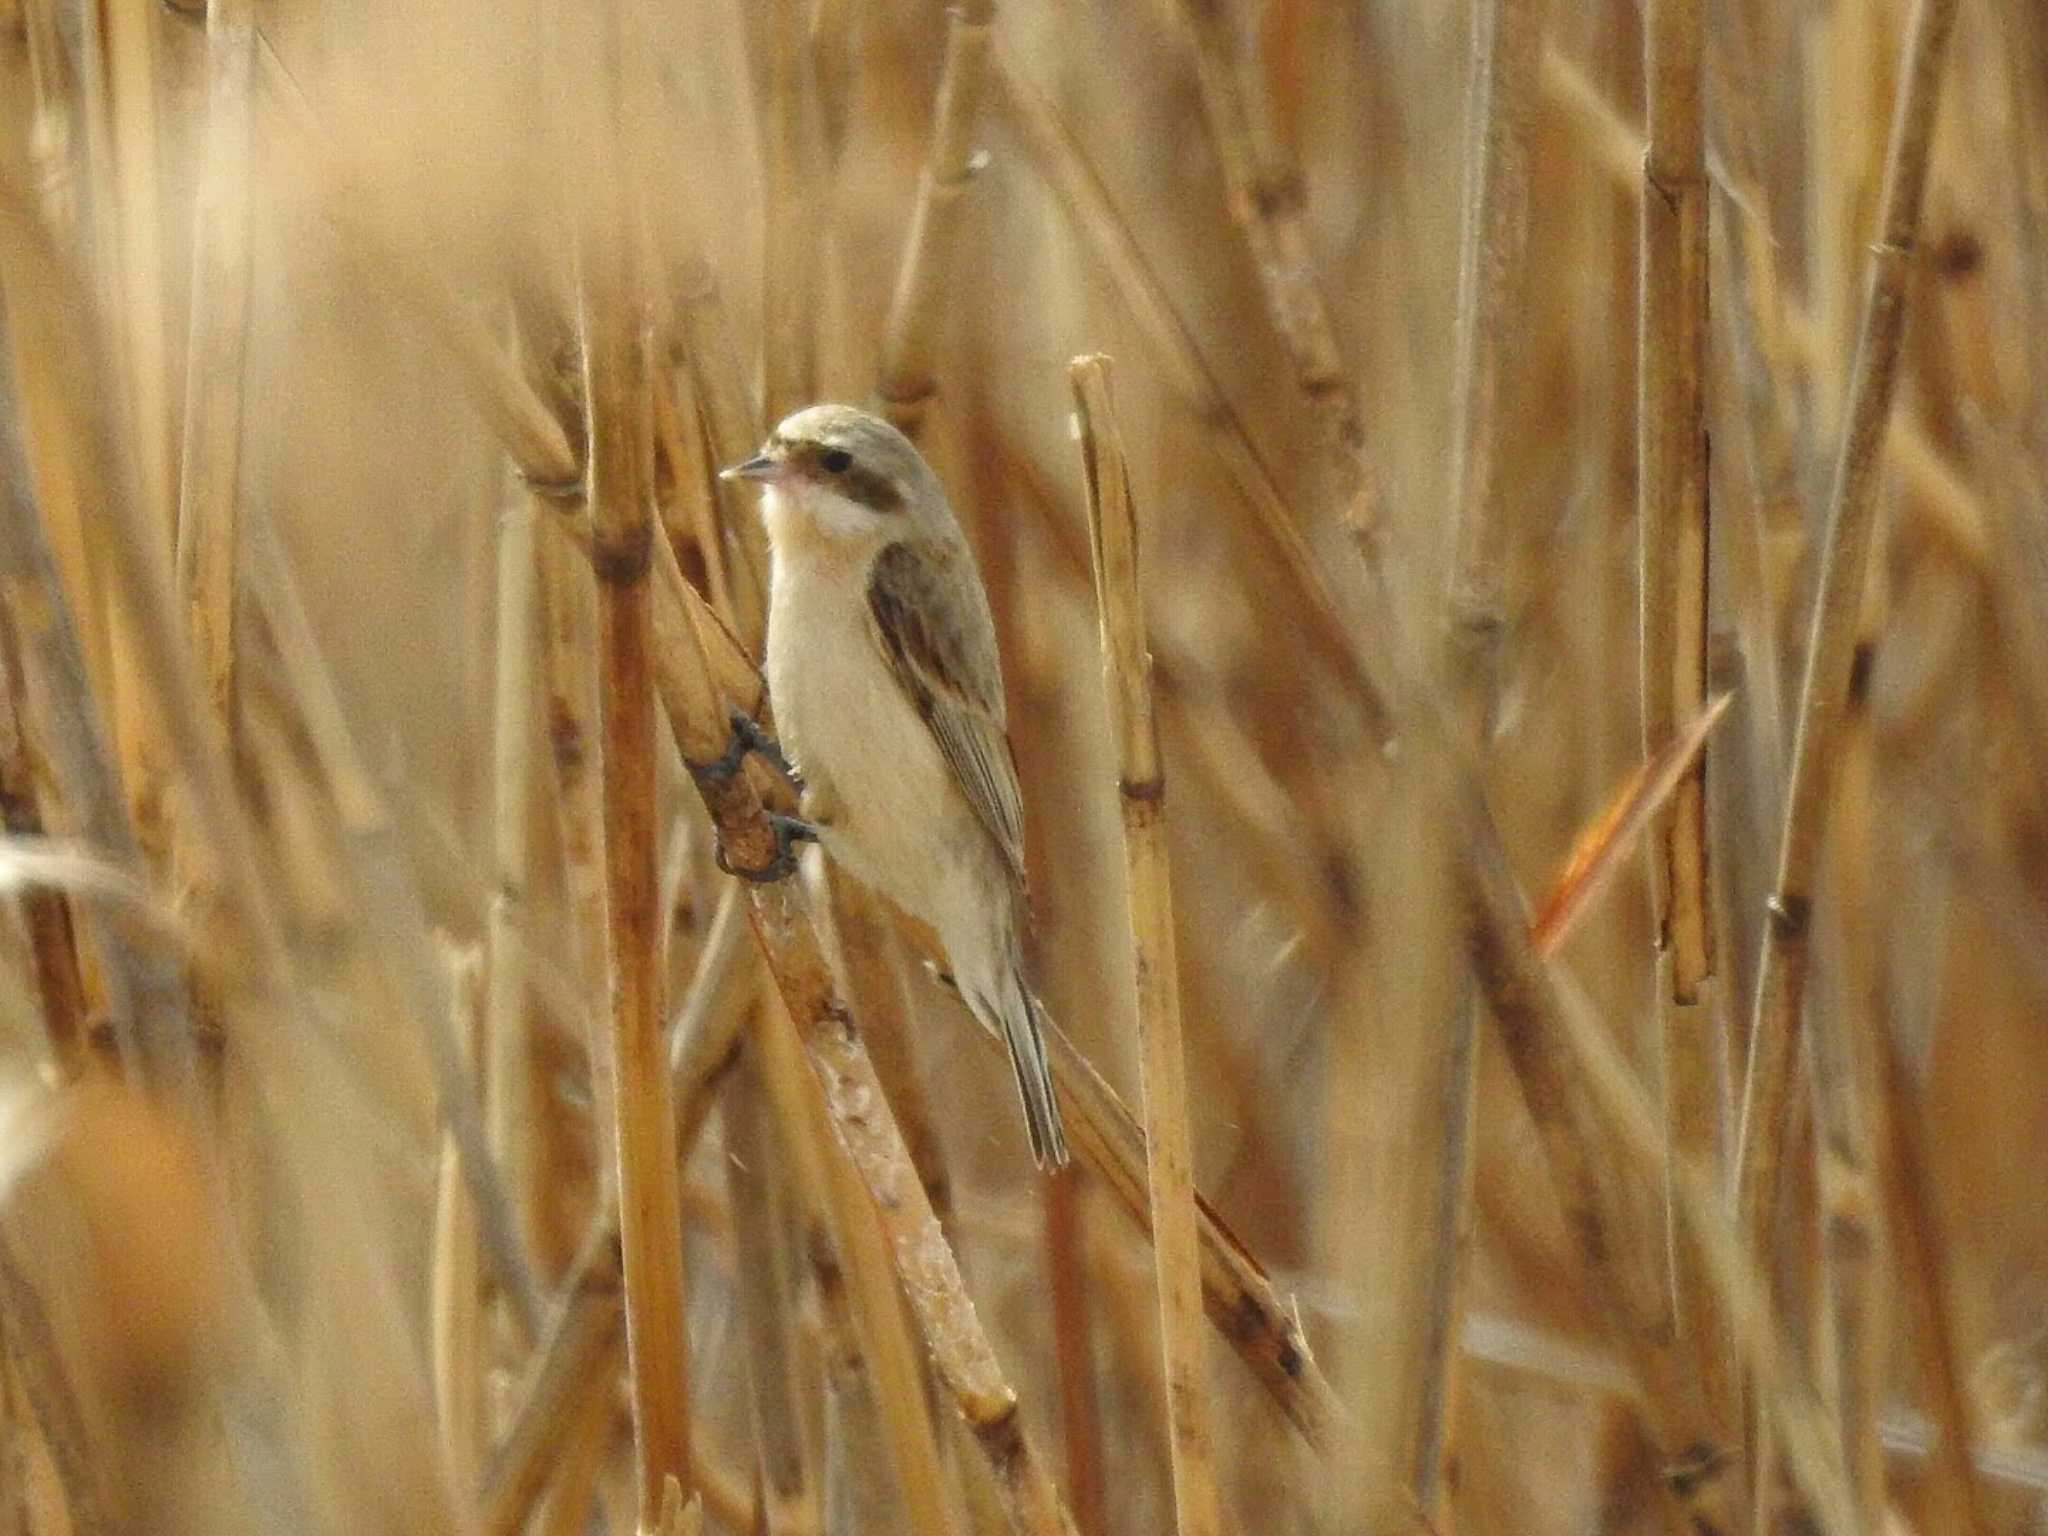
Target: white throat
<point>784,507</point>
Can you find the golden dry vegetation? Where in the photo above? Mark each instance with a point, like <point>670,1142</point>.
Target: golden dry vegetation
<point>405,1126</point>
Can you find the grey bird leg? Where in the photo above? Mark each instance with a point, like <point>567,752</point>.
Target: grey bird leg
<point>789,831</point>
<point>747,740</point>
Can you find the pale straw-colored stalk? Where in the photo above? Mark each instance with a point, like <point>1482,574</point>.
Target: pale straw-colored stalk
<point>1141,786</point>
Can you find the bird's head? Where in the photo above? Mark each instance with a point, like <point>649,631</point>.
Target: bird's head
<point>836,474</point>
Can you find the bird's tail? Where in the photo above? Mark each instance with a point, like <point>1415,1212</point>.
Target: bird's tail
<point>1022,1021</point>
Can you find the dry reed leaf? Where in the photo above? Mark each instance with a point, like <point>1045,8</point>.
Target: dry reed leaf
<point>1606,842</point>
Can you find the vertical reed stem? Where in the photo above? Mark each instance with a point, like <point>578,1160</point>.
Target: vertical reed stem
<point>622,534</point>
<point>1672,512</point>
<point>1127,675</point>
<point>209,488</point>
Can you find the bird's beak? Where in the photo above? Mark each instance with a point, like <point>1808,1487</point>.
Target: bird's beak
<point>761,467</point>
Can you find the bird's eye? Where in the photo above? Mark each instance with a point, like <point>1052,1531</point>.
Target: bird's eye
<point>836,461</point>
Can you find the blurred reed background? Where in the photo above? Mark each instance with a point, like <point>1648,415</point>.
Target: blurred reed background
<point>1593,1137</point>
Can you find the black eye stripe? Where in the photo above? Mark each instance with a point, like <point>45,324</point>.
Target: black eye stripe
<point>849,477</point>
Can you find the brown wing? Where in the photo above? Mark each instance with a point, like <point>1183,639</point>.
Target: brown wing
<point>932,624</point>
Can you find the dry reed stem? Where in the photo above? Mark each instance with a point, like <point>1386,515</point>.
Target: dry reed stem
<point>508,1044</point>
<point>908,378</point>
<point>766,1304</point>
<point>45,911</point>
<point>623,538</point>
<point>1141,785</point>
<point>1910,1220</point>
<point>849,1260</point>
<point>210,472</point>
<point>687,457</point>
<point>1268,204</point>
<point>1842,1063</point>
<point>1507,38</point>
<point>1092,212</point>
<point>118,90</point>
<point>569,607</point>
<point>1506,43</point>
<point>456,1311</point>
<point>150,1021</point>
<point>1837,603</point>
<point>1074,1354</point>
<point>1672,517</point>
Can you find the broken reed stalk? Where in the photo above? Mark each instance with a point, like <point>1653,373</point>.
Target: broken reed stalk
<point>456,1302</point>
<point>210,472</point>
<point>1671,521</point>
<point>908,380</point>
<point>623,539</point>
<point>508,1106</point>
<point>1268,203</point>
<point>45,910</point>
<point>1831,641</point>
<point>1141,786</point>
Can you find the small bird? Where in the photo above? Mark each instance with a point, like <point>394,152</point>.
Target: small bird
<point>888,697</point>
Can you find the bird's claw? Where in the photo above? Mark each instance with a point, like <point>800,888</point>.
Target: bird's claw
<point>747,740</point>
<point>789,831</point>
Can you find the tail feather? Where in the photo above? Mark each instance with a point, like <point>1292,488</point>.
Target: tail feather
<point>1023,1031</point>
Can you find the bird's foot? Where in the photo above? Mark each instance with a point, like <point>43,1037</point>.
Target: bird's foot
<point>789,831</point>
<point>747,740</point>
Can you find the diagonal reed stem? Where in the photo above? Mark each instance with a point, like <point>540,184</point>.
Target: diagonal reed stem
<point>1831,640</point>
